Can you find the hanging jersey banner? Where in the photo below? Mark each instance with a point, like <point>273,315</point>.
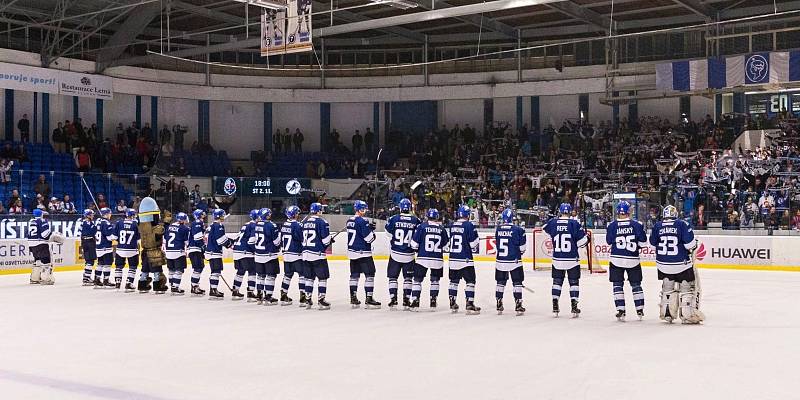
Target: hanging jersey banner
<point>298,30</point>
<point>273,26</point>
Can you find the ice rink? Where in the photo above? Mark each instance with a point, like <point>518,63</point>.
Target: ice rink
<point>74,342</point>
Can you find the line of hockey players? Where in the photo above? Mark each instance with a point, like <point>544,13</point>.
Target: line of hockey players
<point>416,247</point>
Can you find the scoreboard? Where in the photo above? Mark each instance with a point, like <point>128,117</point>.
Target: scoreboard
<point>260,186</point>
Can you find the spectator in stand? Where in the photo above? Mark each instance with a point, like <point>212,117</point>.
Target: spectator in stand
<point>8,151</point>
<point>121,207</point>
<point>132,134</point>
<point>5,171</point>
<point>195,196</point>
<point>357,141</point>
<point>13,198</point>
<point>59,139</point>
<point>70,135</point>
<point>179,133</point>
<point>42,187</point>
<point>276,141</point>
<point>21,153</point>
<point>39,203</point>
<point>287,141</point>
<point>16,207</point>
<point>24,127</point>
<point>147,132</point>
<point>321,169</point>
<point>68,205</point>
<point>119,134</point>
<point>164,135</point>
<point>2,209</point>
<point>700,219</point>
<point>101,200</point>
<point>83,160</point>
<point>369,141</point>
<point>298,141</point>
<point>55,206</point>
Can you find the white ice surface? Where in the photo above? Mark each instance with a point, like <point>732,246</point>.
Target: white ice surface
<point>73,342</point>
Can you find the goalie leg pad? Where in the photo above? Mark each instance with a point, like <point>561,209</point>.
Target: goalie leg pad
<point>36,272</point>
<point>47,275</point>
<point>690,303</point>
<point>668,308</point>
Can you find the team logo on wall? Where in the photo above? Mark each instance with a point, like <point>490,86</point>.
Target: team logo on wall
<point>230,186</point>
<point>756,68</point>
<point>293,187</point>
<point>86,81</point>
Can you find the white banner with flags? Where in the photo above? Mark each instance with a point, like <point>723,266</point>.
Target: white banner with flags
<point>44,80</point>
<point>273,28</point>
<point>298,29</point>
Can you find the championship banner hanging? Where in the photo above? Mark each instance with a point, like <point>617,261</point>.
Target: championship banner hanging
<point>273,28</point>
<point>298,30</point>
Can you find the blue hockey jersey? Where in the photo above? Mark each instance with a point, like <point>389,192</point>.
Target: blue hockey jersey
<point>510,242</point>
<point>430,241</point>
<point>176,238</point>
<point>463,244</point>
<point>217,240</point>
<point>316,238</point>
<point>673,240</point>
<point>359,238</point>
<point>105,235</point>
<point>268,241</point>
<point>566,235</point>
<point>626,237</point>
<point>127,235</point>
<point>38,232</point>
<point>88,229</point>
<point>292,241</point>
<point>243,246</point>
<point>400,228</point>
<point>196,234</point>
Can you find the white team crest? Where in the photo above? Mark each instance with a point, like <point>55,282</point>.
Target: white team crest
<point>293,187</point>
<point>230,186</point>
<point>756,68</point>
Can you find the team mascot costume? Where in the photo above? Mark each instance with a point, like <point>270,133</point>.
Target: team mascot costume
<point>153,259</point>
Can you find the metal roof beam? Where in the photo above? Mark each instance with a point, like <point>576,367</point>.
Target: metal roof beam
<point>138,19</point>
<point>581,13</point>
<point>478,20</point>
<point>208,12</point>
<point>695,6</point>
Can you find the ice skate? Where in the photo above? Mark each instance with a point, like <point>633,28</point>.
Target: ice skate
<point>414,306</point>
<point>251,296</point>
<point>556,308</point>
<point>371,304</point>
<point>434,303</point>
<point>323,304</point>
<point>176,291</point>
<point>235,295</point>
<point>303,299</point>
<point>500,307</point>
<point>107,284</point>
<point>620,315</point>
<point>519,308</point>
<point>88,282</point>
<point>117,283</point>
<point>393,303</point>
<point>640,314</point>
<point>285,299</point>
<point>98,284</point>
<point>196,291</point>
<point>309,303</point>
<point>575,310</point>
<point>354,303</point>
<point>453,305</point>
<point>129,288</point>
<point>159,287</point>
<point>406,303</point>
<point>260,297</point>
<point>269,300</point>
<point>215,294</point>
<point>472,309</point>
<point>143,287</point>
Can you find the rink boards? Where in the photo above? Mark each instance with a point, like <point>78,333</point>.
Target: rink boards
<point>775,253</point>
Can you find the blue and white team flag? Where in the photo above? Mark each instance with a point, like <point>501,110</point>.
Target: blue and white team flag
<point>725,72</point>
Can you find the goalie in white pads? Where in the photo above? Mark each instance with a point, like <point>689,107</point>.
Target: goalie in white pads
<point>39,238</point>
<point>674,242</point>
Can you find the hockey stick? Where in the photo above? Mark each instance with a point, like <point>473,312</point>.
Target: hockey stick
<point>375,194</point>
<point>90,193</point>
<point>225,281</point>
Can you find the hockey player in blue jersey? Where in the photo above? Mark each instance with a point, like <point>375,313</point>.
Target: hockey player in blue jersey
<point>267,245</point>
<point>430,242</point>
<point>176,238</point>
<point>105,252</point>
<point>243,259</point>
<point>39,237</point>
<point>674,242</point>
<point>196,249</point>
<point>292,248</point>
<point>400,228</point>
<point>567,236</point>
<point>217,240</point>
<point>625,237</point>
<point>463,244</point>
<point>510,243</point>
<point>316,239</point>
<point>360,235</point>
<point>126,233</point>
<point>88,246</point>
